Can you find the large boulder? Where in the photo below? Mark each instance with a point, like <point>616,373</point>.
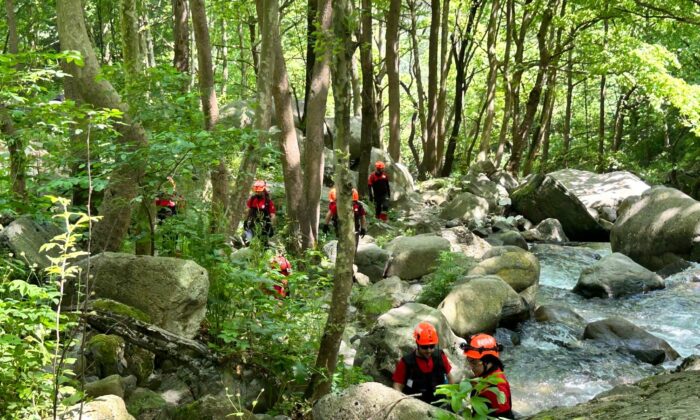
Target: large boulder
<point>559,314</point>
<point>601,193</point>
<point>661,228</point>
<point>171,291</point>
<point>415,256</point>
<point>543,197</point>
<point>400,178</point>
<point>481,186</point>
<point>665,396</point>
<point>507,237</point>
<point>145,403</point>
<point>355,135</point>
<point>111,385</point>
<point>482,303</point>
<point>384,295</point>
<point>106,407</point>
<point>519,268</point>
<point>505,179</point>
<point>463,240</point>
<point>614,276</point>
<point>627,337</point>
<point>24,237</point>
<point>548,230</point>
<point>392,337</point>
<point>374,400</point>
<point>371,260</point>
<point>465,206</point>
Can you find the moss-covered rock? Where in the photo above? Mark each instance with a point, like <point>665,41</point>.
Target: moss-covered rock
<point>211,407</point>
<point>140,363</point>
<point>105,355</point>
<point>111,385</point>
<point>144,403</point>
<point>520,269</point>
<point>109,305</point>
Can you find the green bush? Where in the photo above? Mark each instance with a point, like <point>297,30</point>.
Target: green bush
<point>452,267</point>
<point>464,398</point>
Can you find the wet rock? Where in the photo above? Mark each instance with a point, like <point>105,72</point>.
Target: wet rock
<point>616,275</point>
<point>24,237</point>
<point>145,404</point>
<point>559,314</point>
<point>627,337</point>
<point>374,400</point>
<point>548,230</point>
<point>482,303</point>
<point>465,206</point>
<point>172,291</point>
<point>371,260</point>
<point>391,338</point>
<point>666,396</point>
<point>659,229</point>
<point>509,237</point>
<point>690,363</point>
<point>106,407</point>
<point>415,256</point>
<point>544,196</point>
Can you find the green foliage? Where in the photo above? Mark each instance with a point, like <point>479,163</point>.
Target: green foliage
<point>465,397</point>
<point>346,376</point>
<point>452,267</point>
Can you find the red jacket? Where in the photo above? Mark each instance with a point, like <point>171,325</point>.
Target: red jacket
<point>504,387</point>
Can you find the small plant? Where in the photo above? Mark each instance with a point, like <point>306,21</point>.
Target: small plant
<point>466,400</point>
<point>452,267</point>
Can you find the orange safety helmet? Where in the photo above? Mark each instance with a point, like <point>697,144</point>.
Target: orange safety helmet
<point>480,345</point>
<point>425,334</point>
<point>331,194</point>
<point>355,195</point>
<point>259,185</point>
<point>379,164</point>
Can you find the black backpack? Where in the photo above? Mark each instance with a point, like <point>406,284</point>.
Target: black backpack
<point>424,383</point>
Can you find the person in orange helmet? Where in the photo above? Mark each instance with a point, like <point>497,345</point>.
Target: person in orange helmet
<point>482,352</point>
<point>261,214</point>
<point>358,211</point>
<point>282,265</point>
<point>379,190</point>
<point>423,369</point>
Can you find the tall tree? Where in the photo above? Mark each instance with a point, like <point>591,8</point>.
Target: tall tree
<point>566,140</point>
<point>263,115</point>
<point>492,32</point>
<point>124,180</point>
<point>369,131</point>
<point>210,107</point>
<point>601,105</point>
<point>315,120</point>
<point>181,35</point>
<point>430,152</point>
<point>392,17</point>
<point>311,12</point>
<point>507,86</point>
<point>327,359</point>
<point>445,64</point>
<point>129,22</point>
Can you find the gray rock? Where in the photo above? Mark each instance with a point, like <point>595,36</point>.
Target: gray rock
<point>466,206</point>
<point>559,314</point>
<point>371,260</point>
<point>666,396</point>
<point>505,179</point>
<point>400,177</point>
<point>415,256</point>
<point>464,241</point>
<point>482,303</point>
<point>548,230</point>
<point>509,237</point>
<point>374,400</point>
<point>392,337</point>
<point>355,135</point>
<point>145,404</point>
<point>659,229</point>
<point>627,337</point>
<point>486,167</point>
<point>111,385</point>
<point>690,363</point>
<point>616,275</point>
<point>106,407</point>
<point>173,292</point>
<point>384,295</point>
<point>481,186</point>
<point>519,268</point>
<point>543,197</point>
<point>24,237</point>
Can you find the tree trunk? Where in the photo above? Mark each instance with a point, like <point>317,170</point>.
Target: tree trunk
<point>601,107</point>
<point>445,63</point>
<point>536,92</point>
<point>569,110</point>
<point>266,66</point>
<point>12,38</point>
<point>430,151</point>
<point>492,32</point>
<point>129,20</point>
<point>392,70</point>
<point>291,158</point>
<point>418,78</point>
<point>620,119</point>
<point>327,359</point>
<point>181,35</point>
<point>224,57</point>
<point>220,175</point>
<point>316,117</point>
<point>544,123</point>
<point>507,87</point>
<point>369,112</point>
<point>124,181</point>
<point>311,11</point>
<point>356,89</point>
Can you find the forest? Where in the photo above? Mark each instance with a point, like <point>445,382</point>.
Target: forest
<point>133,134</point>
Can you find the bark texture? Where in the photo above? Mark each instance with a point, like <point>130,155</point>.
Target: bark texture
<point>181,35</point>
<point>369,112</point>
<point>392,72</point>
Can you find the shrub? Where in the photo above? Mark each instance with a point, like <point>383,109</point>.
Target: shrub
<point>452,267</point>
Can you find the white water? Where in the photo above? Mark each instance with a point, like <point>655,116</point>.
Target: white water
<point>552,366</point>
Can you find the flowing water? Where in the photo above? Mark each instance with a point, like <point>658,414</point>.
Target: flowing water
<point>553,366</point>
